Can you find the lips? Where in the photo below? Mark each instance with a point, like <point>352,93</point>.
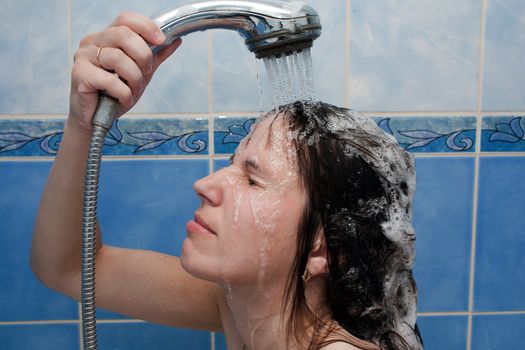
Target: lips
<point>198,225</point>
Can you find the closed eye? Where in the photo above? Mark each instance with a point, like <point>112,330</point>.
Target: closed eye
<point>251,182</point>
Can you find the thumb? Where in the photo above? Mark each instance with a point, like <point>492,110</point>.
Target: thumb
<point>165,52</point>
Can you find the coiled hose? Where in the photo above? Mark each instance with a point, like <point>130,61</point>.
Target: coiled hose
<point>105,113</point>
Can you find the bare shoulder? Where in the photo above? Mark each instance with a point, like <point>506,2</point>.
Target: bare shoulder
<point>340,345</point>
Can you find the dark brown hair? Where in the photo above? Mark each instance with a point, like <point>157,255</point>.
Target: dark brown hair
<point>370,290</point>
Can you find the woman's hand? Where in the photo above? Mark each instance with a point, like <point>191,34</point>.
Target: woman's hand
<point>118,61</point>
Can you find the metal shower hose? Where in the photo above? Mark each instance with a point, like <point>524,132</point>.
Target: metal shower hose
<point>102,121</point>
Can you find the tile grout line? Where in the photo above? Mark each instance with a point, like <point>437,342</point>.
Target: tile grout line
<point>479,102</point>
<point>193,115</point>
<point>109,158</point>
<point>124,320</point>
<point>347,52</point>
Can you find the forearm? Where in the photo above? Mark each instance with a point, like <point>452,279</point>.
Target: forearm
<point>56,244</point>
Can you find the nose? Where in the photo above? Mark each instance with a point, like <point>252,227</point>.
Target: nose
<point>209,189</point>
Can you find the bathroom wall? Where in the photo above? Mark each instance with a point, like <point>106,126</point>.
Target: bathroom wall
<point>444,77</point>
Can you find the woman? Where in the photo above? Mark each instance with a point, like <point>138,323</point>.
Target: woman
<point>303,242</point>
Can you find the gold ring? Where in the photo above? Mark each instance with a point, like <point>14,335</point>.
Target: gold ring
<point>98,55</point>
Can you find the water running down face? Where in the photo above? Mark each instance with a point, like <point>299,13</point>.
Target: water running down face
<point>245,230</point>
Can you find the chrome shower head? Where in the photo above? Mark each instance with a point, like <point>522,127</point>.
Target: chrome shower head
<point>269,27</point>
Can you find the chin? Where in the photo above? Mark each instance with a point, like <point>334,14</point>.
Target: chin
<point>197,265</point>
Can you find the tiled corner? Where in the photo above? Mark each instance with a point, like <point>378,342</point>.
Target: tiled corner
<point>503,134</point>
<point>504,51</point>
<point>431,134</point>
<point>40,336</point>
<point>143,335</point>
<point>24,298</point>
<point>33,59</point>
<point>500,262</point>
<point>412,56</point>
<point>443,224</point>
<point>497,331</point>
<point>443,332</point>
<point>229,131</point>
<point>187,68</point>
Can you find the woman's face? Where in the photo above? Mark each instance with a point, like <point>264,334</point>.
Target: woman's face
<point>245,230</point>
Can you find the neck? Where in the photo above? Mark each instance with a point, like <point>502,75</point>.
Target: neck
<point>256,312</point>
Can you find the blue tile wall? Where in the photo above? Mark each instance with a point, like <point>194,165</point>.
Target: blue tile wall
<point>504,51</point>
<point>33,61</point>
<point>414,55</point>
<point>444,332</point>
<point>497,331</point>
<point>40,336</point>
<point>500,243</point>
<point>415,67</point>
<point>159,200</point>
<point>138,336</point>
<point>443,228</point>
<point>23,297</point>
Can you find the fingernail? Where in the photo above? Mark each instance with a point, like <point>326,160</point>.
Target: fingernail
<point>159,36</point>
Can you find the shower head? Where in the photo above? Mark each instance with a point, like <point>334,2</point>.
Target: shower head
<point>269,27</point>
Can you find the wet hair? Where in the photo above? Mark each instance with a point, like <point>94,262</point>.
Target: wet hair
<point>359,185</point>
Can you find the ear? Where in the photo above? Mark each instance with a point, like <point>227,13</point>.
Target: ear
<point>318,258</point>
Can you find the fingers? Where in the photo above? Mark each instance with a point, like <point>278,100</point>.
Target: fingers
<point>115,60</point>
<point>124,49</point>
<point>87,79</point>
<point>142,25</point>
<point>165,52</point>
<point>130,43</point>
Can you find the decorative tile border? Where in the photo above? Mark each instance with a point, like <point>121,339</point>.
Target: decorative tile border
<point>30,137</point>
<point>229,131</point>
<point>503,134</point>
<point>416,134</point>
<point>127,137</point>
<point>181,136</point>
<point>431,134</point>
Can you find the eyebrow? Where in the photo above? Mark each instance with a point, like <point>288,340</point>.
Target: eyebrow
<point>251,165</point>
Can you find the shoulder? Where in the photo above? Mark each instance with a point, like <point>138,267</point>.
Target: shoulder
<point>340,345</point>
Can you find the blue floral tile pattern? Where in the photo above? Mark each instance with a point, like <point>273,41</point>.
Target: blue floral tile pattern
<point>30,137</point>
<point>431,134</point>
<point>229,131</point>
<point>416,134</point>
<point>126,137</point>
<point>503,134</point>
<point>158,137</point>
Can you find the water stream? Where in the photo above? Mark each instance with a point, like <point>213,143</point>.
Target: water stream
<point>291,77</point>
